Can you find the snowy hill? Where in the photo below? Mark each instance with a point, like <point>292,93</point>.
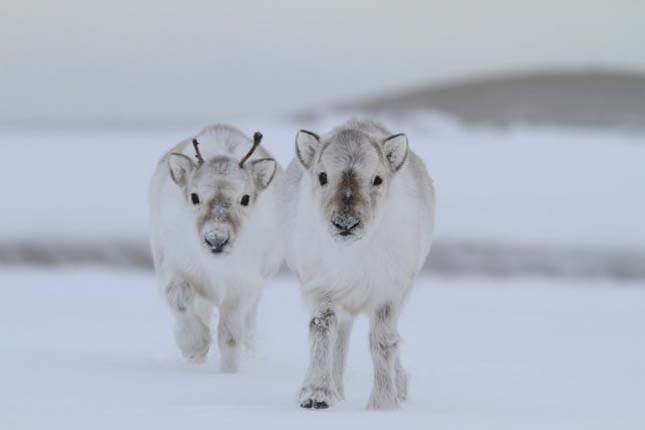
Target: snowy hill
<point>590,99</point>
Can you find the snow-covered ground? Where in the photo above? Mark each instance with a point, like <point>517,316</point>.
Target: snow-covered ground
<point>93,349</point>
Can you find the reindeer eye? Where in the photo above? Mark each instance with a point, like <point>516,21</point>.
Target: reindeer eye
<point>245,200</point>
<point>194,198</point>
<point>322,178</point>
<point>377,180</point>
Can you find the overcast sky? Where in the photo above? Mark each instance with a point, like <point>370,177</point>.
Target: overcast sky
<point>125,60</point>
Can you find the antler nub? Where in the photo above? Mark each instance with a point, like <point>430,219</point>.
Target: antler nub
<point>257,138</point>
<point>198,154</point>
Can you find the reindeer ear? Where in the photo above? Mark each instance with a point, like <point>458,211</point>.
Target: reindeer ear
<point>306,144</point>
<point>396,150</point>
<point>180,168</point>
<point>263,171</point>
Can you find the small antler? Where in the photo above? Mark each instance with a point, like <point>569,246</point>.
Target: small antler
<point>257,138</point>
<point>198,154</point>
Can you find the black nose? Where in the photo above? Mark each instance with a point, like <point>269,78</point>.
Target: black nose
<point>216,242</point>
<point>345,223</point>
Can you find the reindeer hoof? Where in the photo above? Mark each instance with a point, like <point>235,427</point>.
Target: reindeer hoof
<point>320,405</point>
<point>307,404</point>
<point>318,397</point>
<point>310,404</point>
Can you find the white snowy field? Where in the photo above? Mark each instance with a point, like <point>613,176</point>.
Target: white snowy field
<point>524,186</point>
<point>93,349</point>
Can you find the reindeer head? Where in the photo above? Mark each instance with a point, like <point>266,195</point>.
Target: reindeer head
<point>221,192</point>
<point>351,173</point>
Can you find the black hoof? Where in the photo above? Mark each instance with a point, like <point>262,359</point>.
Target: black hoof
<point>307,404</point>
<point>320,405</point>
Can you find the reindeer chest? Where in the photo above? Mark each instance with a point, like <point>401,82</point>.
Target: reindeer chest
<point>356,276</point>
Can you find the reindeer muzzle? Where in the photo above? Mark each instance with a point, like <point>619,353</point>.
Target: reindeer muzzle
<point>216,241</point>
<point>345,223</point>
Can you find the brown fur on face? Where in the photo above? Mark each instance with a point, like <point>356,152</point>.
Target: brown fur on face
<point>219,209</point>
<point>348,197</point>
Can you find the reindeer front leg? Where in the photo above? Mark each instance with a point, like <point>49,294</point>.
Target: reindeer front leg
<point>191,332</point>
<point>250,325</point>
<point>319,390</point>
<point>390,381</point>
<point>230,332</point>
<point>345,323</point>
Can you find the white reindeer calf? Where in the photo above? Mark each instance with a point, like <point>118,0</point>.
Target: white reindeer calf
<point>360,211</point>
<point>215,237</point>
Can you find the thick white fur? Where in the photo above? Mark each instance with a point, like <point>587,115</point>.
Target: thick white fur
<point>372,275</point>
<point>194,280</point>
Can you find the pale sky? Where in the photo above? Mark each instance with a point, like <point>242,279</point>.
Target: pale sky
<point>124,60</point>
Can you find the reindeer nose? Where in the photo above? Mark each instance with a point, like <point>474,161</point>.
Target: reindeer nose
<point>345,223</point>
<point>216,241</point>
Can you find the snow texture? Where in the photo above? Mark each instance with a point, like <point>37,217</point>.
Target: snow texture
<point>94,350</point>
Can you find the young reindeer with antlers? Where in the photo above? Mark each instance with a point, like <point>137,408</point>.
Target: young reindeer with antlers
<point>360,206</point>
<point>215,237</point>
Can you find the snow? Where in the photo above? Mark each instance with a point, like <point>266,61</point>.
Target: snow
<point>88,348</point>
<point>523,186</point>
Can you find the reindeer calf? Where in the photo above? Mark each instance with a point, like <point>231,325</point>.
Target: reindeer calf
<point>360,212</point>
<point>215,237</point>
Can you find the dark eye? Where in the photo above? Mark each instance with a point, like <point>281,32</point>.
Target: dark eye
<point>194,198</point>
<point>322,178</point>
<point>245,200</point>
<point>377,180</point>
